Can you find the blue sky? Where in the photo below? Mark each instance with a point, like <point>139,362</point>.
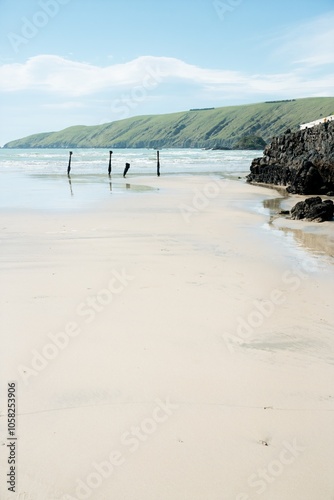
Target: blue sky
<point>70,62</point>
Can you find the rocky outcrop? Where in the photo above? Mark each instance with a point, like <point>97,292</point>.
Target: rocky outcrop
<point>302,161</point>
<point>313,209</point>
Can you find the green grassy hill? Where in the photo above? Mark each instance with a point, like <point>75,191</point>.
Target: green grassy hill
<point>207,128</point>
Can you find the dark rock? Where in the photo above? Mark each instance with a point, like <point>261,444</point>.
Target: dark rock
<point>303,161</point>
<point>307,180</point>
<point>313,209</point>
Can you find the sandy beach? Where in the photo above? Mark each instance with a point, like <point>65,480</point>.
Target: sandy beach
<point>171,344</point>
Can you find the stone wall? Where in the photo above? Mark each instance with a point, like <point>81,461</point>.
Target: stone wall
<point>302,161</point>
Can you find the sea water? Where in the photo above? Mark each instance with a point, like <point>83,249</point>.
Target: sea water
<point>37,178</point>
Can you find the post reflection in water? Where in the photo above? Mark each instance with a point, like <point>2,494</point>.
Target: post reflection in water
<point>70,183</point>
<point>110,185</point>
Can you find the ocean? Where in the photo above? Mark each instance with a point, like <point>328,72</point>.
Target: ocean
<point>37,179</point>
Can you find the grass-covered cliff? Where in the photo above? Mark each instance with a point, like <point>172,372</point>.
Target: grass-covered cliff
<point>209,128</point>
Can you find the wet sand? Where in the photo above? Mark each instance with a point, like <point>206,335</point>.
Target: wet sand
<point>168,345</point>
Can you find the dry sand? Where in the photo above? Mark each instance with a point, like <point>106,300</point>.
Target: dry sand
<point>190,349</point>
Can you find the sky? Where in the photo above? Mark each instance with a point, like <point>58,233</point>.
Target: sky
<point>88,62</point>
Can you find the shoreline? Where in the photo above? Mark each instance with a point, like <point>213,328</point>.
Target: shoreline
<point>314,236</point>
<point>318,238</point>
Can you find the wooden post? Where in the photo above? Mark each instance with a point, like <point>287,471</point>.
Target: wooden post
<point>127,166</point>
<point>69,164</point>
<point>109,168</point>
<point>158,163</point>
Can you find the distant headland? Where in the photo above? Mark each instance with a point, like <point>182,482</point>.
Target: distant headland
<point>250,126</point>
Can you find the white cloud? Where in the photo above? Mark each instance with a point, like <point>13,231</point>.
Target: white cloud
<point>56,74</point>
<point>310,44</point>
<point>66,79</point>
